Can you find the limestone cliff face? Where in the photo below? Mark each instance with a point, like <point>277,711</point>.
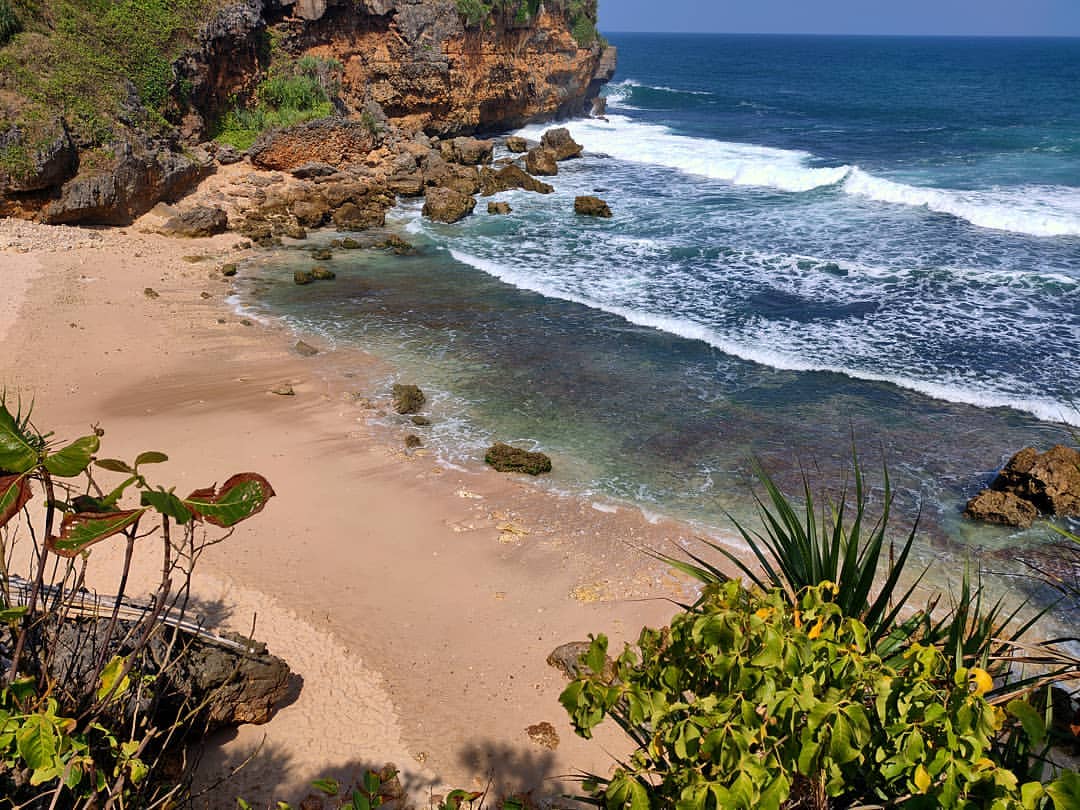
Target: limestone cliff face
<point>415,58</point>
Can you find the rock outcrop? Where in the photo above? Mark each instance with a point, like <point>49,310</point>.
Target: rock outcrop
<point>447,205</point>
<point>507,458</point>
<point>1031,483</point>
<point>590,206</point>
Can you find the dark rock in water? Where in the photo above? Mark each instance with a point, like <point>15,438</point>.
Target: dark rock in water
<point>505,458</point>
<point>567,659</point>
<point>303,277</point>
<point>322,254</point>
<point>353,217</point>
<point>517,145</point>
<point>591,207</point>
<point>314,168</point>
<point>508,178</point>
<point>412,441</point>
<point>202,220</point>
<point>560,142</point>
<point>1003,508</point>
<point>420,421</point>
<point>305,349</point>
<point>395,243</point>
<point>1029,484</point>
<point>1050,480</point>
<point>541,161</point>
<point>447,205</point>
<point>228,270</point>
<point>408,398</point>
<point>349,244</point>
<point>599,107</point>
<point>320,273</point>
<point>499,208</point>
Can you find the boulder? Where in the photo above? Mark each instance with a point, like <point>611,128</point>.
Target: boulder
<point>50,158</point>
<point>467,151</point>
<point>437,172</point>
<point>506,458</point>
<point>226,154</point>
<point>1050,480</point>
<point>353,217</point>
<point>314,168</point>
<point>517,145</point>
<point>508,178</point>
<point>305,349</point>
<point>541,161</point>
<point>408,398</point>
<point>320,273</point>
<point>322,254</point>
<point>412,441</point>
<point>311,211</point>
<point>591,207</point>
<point>303,277</point>
<point>447,205</point>
<point>1003,508</point>
<point>334,141</point>
<point>499,208</point>
<point>202,220</point>
<point>599,107</point>
<point>396,244</point>
<point>559,141</point>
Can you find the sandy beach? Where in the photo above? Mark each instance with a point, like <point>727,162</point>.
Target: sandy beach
<point>417,603</point>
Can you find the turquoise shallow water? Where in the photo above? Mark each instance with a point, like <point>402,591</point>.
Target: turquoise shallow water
<point>816,242</point>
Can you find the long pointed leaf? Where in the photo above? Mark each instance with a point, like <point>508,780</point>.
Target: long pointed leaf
<point>242,496</point>
<point>18,454</point>
<point>81,530</point>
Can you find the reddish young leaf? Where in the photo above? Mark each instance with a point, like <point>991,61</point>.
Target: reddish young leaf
<point>14,493</point>
<point>81,530</point>
<point>242,496</point>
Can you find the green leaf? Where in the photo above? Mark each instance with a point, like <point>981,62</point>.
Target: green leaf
<point>1065,791</point>
<point>167,504</point>
<point>14,493</point>
<point>74,458</point>
<point>360,801</point>
<point>1034,725</point>
<point>372,783</point>
<point>18,453</point>
<point>329,786</point>
<point>150,457</point>
<point>36,742</point>
<point>14,614</point>
<point>110,679</point>
<point>239,498</point>
<point>117,466</point>
<point>81,530</point>
<point>242,805</point>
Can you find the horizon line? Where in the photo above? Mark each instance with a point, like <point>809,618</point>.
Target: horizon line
<point>842,34</point>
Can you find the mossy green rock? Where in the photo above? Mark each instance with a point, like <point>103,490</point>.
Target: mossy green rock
<point>506,458</point>
<point>408,398</point>
<point>302,277</point>
<point>320,273</point>
<point>350,244</point>
<point>322,255</point>
<point>228,270</point>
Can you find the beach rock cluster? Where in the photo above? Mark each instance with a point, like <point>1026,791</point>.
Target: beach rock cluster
<point>1029,485</point>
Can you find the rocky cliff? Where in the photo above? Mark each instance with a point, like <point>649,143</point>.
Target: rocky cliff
<point>434,66</point>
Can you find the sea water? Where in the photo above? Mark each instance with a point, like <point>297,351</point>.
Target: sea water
<point>819,245</point>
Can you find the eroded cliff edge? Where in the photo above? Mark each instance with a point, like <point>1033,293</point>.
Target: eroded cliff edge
<point>442,67</point>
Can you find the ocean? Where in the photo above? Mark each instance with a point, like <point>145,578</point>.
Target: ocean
<point>820,246</point>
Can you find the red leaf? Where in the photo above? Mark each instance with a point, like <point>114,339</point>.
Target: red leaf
<point>242,496</point>
<point>14,493</point>
<point>81,530</point>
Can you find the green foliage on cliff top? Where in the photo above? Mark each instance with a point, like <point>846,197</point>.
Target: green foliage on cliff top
<point>579,14</point>
<point>291,95</point>
<point>84,59</point>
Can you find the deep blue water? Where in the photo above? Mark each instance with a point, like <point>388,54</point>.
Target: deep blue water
<point>817,242</point>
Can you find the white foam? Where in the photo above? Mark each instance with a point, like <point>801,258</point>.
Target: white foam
<point>1032,210</point>
<point>1043,211</point>
<point>759,351</point>
<point>738,163</point>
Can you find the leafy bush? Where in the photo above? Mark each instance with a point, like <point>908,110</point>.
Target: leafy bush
<point>9,22</point>
<point>79,725</point>
<point>750,700</point>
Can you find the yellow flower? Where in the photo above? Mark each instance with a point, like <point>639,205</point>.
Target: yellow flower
<point>980,680</point>
<point>764,613</point>
<point>798,620</point>
<point>815,631</point>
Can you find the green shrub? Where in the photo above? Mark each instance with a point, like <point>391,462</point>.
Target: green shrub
<point>282,100</point>
<point>750,699</point>
<point>9,22</point>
